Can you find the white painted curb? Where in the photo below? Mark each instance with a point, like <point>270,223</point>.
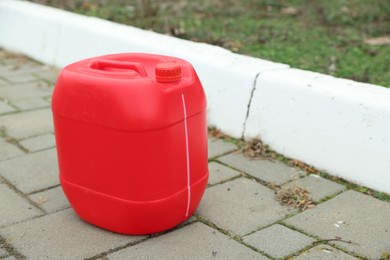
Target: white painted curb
<point>337,125</point>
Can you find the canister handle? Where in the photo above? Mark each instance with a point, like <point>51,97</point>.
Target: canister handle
<point>112,65</point>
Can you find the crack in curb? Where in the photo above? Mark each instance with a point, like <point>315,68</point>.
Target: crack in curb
<point>249,105</point>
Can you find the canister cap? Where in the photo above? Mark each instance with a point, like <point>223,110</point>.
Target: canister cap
<point>168,72</point>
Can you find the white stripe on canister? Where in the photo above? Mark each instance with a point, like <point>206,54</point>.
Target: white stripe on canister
<point>187,156</point>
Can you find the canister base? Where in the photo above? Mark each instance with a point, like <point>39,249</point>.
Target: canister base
<point>133,217</point>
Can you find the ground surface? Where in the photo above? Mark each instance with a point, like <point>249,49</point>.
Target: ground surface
<point>238,218</point>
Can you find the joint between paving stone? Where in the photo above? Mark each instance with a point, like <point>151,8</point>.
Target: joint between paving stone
<point>5,79</point>
<point>227,180</point>
<point>11,112</point>
<point>297,253</point>
<point>246,175</point>
<point>297,229</point>
<point>11,140</point>
<point>103,255</point>
<point>42,190</point>
<point>20,107</point>
<point>279,222</point>
<point>331,197</point>
<point>344,250</point>
<point>7,102</point>
<point>319,240</point>
<point>22,195</point>
<point>213,226</point>
<point>215,158</point>
<point>35,135</point>
<point>42,79</point>
<point>258,251</point>
<point>38,151</point>
<point>236,238</point>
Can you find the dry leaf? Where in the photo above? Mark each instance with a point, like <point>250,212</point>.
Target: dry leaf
<point>42,200</point>
<point>304,166</point>
<point>177,31</point>
<point>383,40</point>
<point>289,10</point>
<point>273,186</point>
<point>215,132</point>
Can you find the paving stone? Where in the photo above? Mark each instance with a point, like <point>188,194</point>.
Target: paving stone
<point>8,151</point>
<point>351,216</point>
<point>3,81</point>
<point>278,241</point>
<point>20,71</point>
<point>38,143</point>
<point>51,200</point>
<point>27,124</point>
<point>38,89</point>
<point>269,171</point>
<point>62,235</point>
<point>32,172</point>
<point>48,73</point>
<point>4,71</point>
<point>241,206</point>
<point>34,103</point>
<point>318,187</point>
<point>323,252</point>
<point>195,241</point>
<point>14,208</point>
<point>17,77</point>
<point>219,173</point>
<point>6,108</point>
<point>217,147</point>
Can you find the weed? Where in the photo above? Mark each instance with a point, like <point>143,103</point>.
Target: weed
<point>216,133</point>
<point>2,131</point>
<point>381,195</point>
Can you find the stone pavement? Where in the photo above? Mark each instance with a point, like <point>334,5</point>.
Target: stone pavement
<point>238,218</point>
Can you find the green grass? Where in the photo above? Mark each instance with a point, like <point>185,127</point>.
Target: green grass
<point>324,36</point>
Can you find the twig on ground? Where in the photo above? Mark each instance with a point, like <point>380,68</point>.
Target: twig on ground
<point>337,239</point>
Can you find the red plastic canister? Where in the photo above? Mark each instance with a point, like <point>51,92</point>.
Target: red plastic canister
<point>131,140</point>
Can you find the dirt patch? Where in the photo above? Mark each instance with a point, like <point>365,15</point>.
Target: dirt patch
<point>255,149</point>
<point>215,132</point>
<point>295,196</point>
